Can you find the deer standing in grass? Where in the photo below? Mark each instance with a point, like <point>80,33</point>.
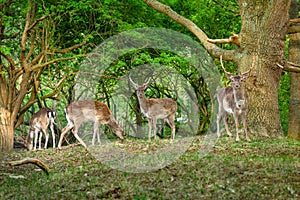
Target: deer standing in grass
<point>233,100</point>
<point>40,122</point>
<point>153,109</point>
<point>89,110</point>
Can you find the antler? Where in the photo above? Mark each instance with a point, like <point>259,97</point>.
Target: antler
<point>133,83</point>
<point>226,72</point>
<point>252,66</point>
<point>136,85</point>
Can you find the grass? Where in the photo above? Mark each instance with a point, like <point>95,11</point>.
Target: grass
<point>261,169</point>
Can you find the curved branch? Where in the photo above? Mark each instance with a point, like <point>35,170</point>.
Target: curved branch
<point>66,50</point>
<point>34,161</point>
<point>211,48</point>
<point>37,20</point>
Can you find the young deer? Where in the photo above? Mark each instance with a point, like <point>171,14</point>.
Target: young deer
<point>89,110</point>
<point>233,100</point>
<point>153,109</point>
<point>40,121</point>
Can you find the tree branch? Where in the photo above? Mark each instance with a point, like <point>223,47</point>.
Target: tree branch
<point>34,161</point>
<point>294,21</point>
<point>211,48</point>
<point>51,95</point>
<point>294,29</point>
<point>66,50</point>
<point>233,39</point>
<point>37,20</point>
<point>290,67</point>
<point>39,66</point>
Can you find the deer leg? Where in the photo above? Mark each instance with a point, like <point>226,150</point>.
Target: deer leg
<point>171,123</point>
<point>78,138</point>
<point>236,120</point>
<point>47,138</point>
<point>30,140</point>
<point>154,125</point>
<point>218,125</point>
<point>96,129</point>
<point>245,126</point>
<point>36,133</point>
<point>40,139</point>
<point>226,125</point>
<point>98,136</point>
<point>150,127</point>
<point>64,131</point>
<point>53,134</point>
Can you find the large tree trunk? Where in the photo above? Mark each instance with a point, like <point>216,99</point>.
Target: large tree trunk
<point>294,52</point>
<point>6,130</point>
<point>264,26</point>
<point>294,109</point>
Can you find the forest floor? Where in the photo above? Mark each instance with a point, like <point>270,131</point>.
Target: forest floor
<point>260,169</point>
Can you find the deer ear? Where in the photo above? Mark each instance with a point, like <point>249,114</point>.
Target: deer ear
<point>230,77</point>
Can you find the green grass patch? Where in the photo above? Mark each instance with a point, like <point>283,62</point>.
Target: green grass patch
<point>261,169</point>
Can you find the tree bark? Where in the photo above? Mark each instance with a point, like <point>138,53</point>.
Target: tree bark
<point>6,130</point>
<point>264,27</point>
<point>294,52</point>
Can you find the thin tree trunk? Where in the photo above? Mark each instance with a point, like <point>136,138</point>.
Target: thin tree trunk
<point>6,131</point>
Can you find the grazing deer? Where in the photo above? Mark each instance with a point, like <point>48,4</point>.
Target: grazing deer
<point>233,100</point>
<point>89,110</point>
<point>40,121</point>
<point>153,109</point>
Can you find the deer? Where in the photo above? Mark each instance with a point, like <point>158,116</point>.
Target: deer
<point>40,122</point>
<point>89,111</point>
<point>153,109</point>
<point>233,100</point>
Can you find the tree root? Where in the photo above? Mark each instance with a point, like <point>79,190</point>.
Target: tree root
<point>34,161</point>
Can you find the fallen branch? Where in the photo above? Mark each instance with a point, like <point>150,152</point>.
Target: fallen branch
<point>34,161</point>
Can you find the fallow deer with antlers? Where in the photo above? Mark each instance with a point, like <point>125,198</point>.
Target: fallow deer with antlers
<point>233,100</point>
<point>153,109</point>
<point>40,122</point>
<point>85,111</point>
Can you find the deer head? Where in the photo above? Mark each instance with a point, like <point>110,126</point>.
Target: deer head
<point>236,79</point>
<point>140,89</point>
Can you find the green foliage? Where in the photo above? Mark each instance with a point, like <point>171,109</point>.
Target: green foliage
<point>93,21</point>
<point>284,101</point>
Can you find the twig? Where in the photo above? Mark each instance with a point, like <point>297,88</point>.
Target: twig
<point>34,161</point>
